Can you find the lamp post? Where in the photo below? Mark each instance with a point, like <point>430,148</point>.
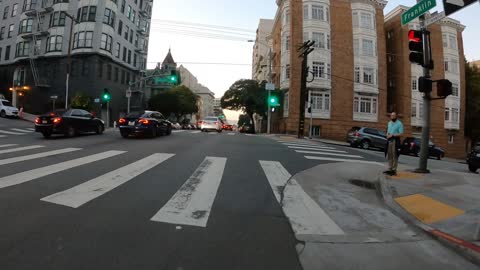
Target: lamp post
<point>69,58</point>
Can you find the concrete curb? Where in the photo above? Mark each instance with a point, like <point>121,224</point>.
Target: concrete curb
<point>467,249</point>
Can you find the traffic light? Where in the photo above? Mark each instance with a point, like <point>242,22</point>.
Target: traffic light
<point>309,109</point>
<point>273,100</point>
<point>106,95</point>
<point>444,88</point>
<point>173,78</point>
<point>273,109</point>
<point>416,46</point>
<point>424,85</point>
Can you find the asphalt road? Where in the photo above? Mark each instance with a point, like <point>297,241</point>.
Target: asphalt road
<point>191,200</point>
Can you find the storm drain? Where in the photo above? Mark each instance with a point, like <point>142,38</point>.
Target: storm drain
<point>362,184</point>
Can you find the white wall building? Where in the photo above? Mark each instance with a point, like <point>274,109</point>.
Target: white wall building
<point>260,58</point>
<point>206,101</point>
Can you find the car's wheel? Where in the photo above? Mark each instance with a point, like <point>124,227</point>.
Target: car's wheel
<point>472,168</point>
<point>365,144</point>
<point>439,157</point>
<point>154,132</point>
<point>3,114</point>
<point>124,134</point>
<point>71,132</point>
<point>219,131</point>
<point>46,135</point>
<point>100,129</point>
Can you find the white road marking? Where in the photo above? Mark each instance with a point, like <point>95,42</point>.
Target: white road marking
<point>213,133</point>
<point>328,154</point>
<point>195,132</point>
<point>39,155</point>
<point>309,145</point>
<point>343,160</point>
<point>248,134</point>
<point>305,215</point>
<point>10,132</point>
<point>83,193</point>
<point>178,131</point>
<point>192,203</point>
<point>231,134</point>
<point>27,176</point>
<point>7,145</point>
<point>317,148</point>
<point>21,130</point>
<point>3,136</point>
<point>32,129</point>
<point>20,149</point>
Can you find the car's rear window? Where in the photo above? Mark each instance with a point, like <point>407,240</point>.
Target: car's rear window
<point>211,119</point>
<point>135,114</point>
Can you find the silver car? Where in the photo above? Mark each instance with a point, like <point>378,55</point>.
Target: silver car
<point>211,123</point>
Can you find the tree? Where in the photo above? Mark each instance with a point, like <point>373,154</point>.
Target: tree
<point>472,116</point>
<point>81,101</point>
<point>246,95</point>
<point>179,101</point>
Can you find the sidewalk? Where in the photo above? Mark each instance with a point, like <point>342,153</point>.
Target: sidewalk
<point>443,203</point>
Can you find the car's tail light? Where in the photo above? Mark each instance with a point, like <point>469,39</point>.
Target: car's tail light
<point>122,121</point>
<point>37,120</point>
<point>356,134</point>
<point>57,120</point>
<point>143,121</point>
<point>412,144</point>
<point>216,123</point>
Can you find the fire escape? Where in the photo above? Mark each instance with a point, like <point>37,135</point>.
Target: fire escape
<point>37,10</point>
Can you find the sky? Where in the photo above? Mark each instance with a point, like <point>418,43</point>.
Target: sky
<point>218,62</point>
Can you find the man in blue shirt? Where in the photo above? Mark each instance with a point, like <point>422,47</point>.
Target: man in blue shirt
<point>394,131</point>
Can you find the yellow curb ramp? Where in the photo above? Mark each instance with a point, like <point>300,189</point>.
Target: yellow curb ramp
<point>426,209</point>
<point>406,176</point>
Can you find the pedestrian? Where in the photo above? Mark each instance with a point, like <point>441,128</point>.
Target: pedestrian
<point>394,132</point>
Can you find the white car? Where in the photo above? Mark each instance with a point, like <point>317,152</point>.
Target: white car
<point>6,109</point>
<point>211,123</point>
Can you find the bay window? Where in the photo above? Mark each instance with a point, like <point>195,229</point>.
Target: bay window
<point>365,104</point>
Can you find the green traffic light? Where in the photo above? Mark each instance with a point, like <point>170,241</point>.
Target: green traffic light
<point>273,101</point>
<point>173,78</point>
<point>106,97</point>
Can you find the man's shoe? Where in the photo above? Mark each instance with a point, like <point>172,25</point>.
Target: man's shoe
<point>387,172</point>
<point>393,173</point>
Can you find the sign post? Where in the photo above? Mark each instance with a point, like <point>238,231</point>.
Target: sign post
<point>269,87</point>
<point>417,10</point>
<point>128,95</point>
<point>435,18</point>
<point>53,98</point>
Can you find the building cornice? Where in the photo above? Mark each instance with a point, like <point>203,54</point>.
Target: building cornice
<point>396,11</point>
<point>378,3</point>
<point>452,23</point>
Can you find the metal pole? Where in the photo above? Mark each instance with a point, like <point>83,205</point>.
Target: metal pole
<point>53,105</point>
<point>311,114</point>
<point>14,91</point>
<point>423,162</point>
<point>128,99</point>
<point>69,60</point>
<point>303,89</point>
<point>269,116</point>
<point>108,114</point>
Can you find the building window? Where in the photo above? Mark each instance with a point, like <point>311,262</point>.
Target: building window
<point>129,12</point>
<point>135,60</point>
<point>319,39</point>
<point>455,115</point>
<point>117,50</point>
<point>356,46</point>
<point>25,26</point>
<point>7,53</point>
<point>357,75</point>
<point>5,12</point>
<point>452,40</point>
<point>124,56</point>
<point>37,48</point>
<point>444,40</point>
<point>366,20</point>
<point>287,43</point>
<point>365,104</point>
<point>447,114</point>
<point>317,13</point>
<point>414,84</point>
<point>287,72</point>
<point>127,30</point>
<point>414,109</point>
<point>54,43</point>
<point>129,58</point>
<point>368,75</point>
<point>305,12</point>
<point>328,41</point>
<point>320,101</point>
<point>130,38</point>
<point>455,89</point>
<point>287,16</point>
<point>120,27</point>
<point>318,70</point>
<point>87,13</point>
<point>109,17</point>
<point>23,49</point>
<point>106,42</point>
<point>367,47</point>
<point>454,66</point>
<point>14,10</point>
<point>451,139</point>
<point>136,41</point>
<point>109,72</point>
<point>57,18</point>
<point>2,32</point>
<point>82,39</point>
<point>445,61</point>
<point>10,30</point>
<point>285,103</point>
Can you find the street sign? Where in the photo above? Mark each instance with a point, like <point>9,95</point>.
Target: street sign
<point>53,97</point>
<point>97,100</point>
<point>270,87</point>
<point>128,94</point>
<point>452,6</point>
<point>434,18</point>
<point>417,10</point>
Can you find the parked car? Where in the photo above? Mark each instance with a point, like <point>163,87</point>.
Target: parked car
<point>176,126</point>
<point>473,159</point>
<point>211,123</point>
<point>6,109</point>
<point>247,128</point>
<point>366,138</point>
<point>227,127</point>
<point>69,123</point>
<point>411,146</point>
<point>147,123</point>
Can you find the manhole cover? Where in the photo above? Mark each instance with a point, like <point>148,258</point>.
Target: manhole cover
<point>362,184</point>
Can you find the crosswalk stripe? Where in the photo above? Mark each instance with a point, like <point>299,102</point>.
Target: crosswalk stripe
<point>306,216</point>
<point>178,131</point>
<point>30,175</point>
<point>39,155</point>
<point>343,160</point>
<point>327,154</point>
<point>309,145</point>
<point>32,129</point>
<point>83,193</point>
<point>231,134</point>
<point>192,203</point>
<point>3,136</point>
<point>21,130</point>
<point>316,148</point>
<point>7,145</point>
<point>20,149</point>
<point>10,132</point>
<point>195,132</point>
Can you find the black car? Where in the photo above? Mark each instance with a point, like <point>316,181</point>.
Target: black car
<point>146,123</point>
<point>411,146</point>
<point>366,138</point>
<point>69,122</point>
<point>473,159</point>
<point>247,128</point>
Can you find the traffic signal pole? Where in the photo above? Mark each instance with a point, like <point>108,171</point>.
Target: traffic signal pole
<point>269,112</point>
<point>423,162</point>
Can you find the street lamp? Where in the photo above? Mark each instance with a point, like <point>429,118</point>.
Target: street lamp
<point>69,59</point>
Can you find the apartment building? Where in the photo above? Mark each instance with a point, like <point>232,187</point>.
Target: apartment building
<point>261,51</point>
<point>448,116</point>
<point>347,80</point>
<point>206,101</point>
<point>108,45</point>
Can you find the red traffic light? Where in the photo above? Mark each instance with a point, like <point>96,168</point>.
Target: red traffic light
<point>415,35</point>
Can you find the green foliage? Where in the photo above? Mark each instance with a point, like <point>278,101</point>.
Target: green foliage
<point>179,100</point>
<point>472,118</point>
<point>248,96</point>
<point>81,101</point>
<point>243,120</point>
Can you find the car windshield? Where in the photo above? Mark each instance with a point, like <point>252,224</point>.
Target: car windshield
<point>135,115</point>
<point>211,119</point>
<point>6,103</point>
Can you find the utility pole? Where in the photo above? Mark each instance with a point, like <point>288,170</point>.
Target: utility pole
<point>424,148</point>
<point>306,49</point>
<point>311,114</point>
<point>270,80</point>
<point>69,58</point>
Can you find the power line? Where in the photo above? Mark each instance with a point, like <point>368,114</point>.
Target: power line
<point>194,29</point>
<point>204,25</point>
<point>202,34</point>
